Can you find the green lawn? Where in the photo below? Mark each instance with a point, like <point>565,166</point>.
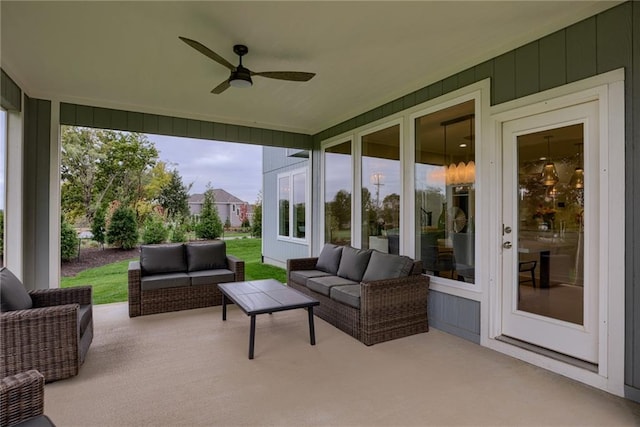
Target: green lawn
<point>110,281</point>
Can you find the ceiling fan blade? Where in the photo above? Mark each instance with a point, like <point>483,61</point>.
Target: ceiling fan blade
<point>221,87</point>
<point>208,52</point>
<point>296,76</point>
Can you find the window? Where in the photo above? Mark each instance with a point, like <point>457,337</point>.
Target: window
<point>337,194</point>
<point>381,189</point>
<point>292,204</point>
<point>445,192</point>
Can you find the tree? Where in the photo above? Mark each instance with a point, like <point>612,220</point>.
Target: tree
<point>99,166</point>
<point>256,227</point>
<point>154,230</point>
<point>244,216</point>
<point>340,209</point>
<point>210,226</point>
<point>123,229</point>
<point>174,196</point>
<point>99,227</point>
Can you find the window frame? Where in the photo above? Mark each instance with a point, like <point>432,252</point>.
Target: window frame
<point>290,175</point>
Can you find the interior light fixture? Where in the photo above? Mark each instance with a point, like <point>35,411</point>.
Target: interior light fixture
<point>549,173</point>
<point>461,173</point>
<point>577,179</point>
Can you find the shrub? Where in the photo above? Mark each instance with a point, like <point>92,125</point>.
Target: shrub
<point>256,227</point>
<point>178,234</point>
<point>123,230</point>
<point>154,230</point>
<point>98,228</point>
<point>68,241</point>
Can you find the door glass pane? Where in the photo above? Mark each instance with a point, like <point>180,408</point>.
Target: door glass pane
<point>283,206</point>
<point>551,223</point>
<point>381,190</point>
<point>445,192</point>
<point>337,194</point>
<point>299,205</point>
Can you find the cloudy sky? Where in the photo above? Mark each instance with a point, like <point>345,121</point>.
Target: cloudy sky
<point>236,168</point>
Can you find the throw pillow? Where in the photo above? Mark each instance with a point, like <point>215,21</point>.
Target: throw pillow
<point>387,266</point>
<point>158,259</point>
<point>13,295</point>
<point>353,263</point>
<point>329,259</point>
<point>207,256</point>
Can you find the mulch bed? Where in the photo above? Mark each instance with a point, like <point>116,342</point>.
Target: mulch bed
<point>96,257</point>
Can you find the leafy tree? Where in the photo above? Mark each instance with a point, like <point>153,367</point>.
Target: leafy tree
<point>174,196</point>
<point>68,241</point>
<point>244,216</point>
<point>154,230</point>
<point>256,227</point>
<point>99,226</point>
<point>123,229</point>
<point>391,210</point>
<point>340,209</point>
<point>210,226</point>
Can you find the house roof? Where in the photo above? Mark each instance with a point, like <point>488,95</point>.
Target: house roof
<point>220,195</point>
<point>127,55</point>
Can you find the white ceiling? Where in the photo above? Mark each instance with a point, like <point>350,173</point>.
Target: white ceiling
<point>127,55</point>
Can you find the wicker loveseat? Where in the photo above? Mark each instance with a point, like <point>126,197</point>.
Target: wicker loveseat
<point>180,277</point>
<point>370,295</point>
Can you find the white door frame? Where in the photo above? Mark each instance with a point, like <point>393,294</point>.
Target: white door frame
<point>608,90</point>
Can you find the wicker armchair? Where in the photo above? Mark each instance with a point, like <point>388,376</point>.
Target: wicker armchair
<point>53,335</point>
<point>22,400</point>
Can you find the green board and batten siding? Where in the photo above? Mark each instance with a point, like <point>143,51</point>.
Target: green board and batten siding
<point>106,118</point>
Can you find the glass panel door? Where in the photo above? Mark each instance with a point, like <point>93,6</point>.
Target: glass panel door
<point>550,230</point>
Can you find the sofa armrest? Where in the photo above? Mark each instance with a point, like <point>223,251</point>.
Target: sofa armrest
<point>45,338</point>
<point>237,266</point>
<point>21,397</point>
<point>58,296</point>
<point>297,264</point>
<point>134,275</point>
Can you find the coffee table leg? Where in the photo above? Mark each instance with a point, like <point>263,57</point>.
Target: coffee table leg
<point>224,307</point>
<point>252,336</point>
<point>312,331</point>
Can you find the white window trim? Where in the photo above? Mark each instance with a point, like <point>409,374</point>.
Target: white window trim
<point>290,175</point>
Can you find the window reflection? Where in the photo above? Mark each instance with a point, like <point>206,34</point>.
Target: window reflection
<point>381,188</point>
<point>337,194</point>
<point>445,193</point>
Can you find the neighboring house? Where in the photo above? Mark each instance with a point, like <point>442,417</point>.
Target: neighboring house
<point>229,206</point>
<point>448,173</point>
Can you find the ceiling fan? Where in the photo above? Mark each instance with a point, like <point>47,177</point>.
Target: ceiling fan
<point>241,76</point>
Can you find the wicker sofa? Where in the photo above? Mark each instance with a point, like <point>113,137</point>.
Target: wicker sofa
<point>370,295</point>
<point>180,277</point>
<point>22,400</point>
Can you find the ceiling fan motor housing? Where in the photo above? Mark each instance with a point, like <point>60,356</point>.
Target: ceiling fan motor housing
<point>241,77</point>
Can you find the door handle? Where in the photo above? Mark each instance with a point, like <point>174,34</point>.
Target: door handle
<point>507,245</point>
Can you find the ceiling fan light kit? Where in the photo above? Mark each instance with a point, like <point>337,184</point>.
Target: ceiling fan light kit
<point>241,76</point>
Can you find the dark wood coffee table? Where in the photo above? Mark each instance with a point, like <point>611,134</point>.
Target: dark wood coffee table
<point>265,296</point>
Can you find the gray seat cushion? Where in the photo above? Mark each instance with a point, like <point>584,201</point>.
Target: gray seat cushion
<point>387,266</point>
<point>159,259</point>
<point>301,276</point>
<point>323,285</point>
<point>13,295</point>
<point>348,294</point>
<point>160,281</point>
<point>206,256</point>
<point>353,263</point>
<point>39,421</point>
<point>207,277</point>
<point>329,259</point>
<point>85,315</point>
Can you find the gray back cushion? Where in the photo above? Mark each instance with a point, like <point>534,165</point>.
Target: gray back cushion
<point>13,295</point>
<point>329,259</point>
<point>206,256</point>
<point>387,266</point>
<point>353,263</point>
<point>157,259</point>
